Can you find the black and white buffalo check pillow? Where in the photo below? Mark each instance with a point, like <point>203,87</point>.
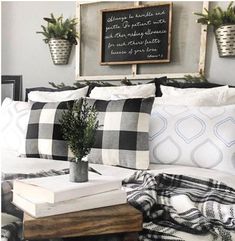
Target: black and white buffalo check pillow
<point>44,137</point>
<point>122,138</point>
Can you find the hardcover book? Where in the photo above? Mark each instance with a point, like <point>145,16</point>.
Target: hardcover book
<point>54,189</point>
<point>39,209</point>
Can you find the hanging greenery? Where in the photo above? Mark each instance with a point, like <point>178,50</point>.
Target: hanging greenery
<point>59,28</point>
<point>217,17</point>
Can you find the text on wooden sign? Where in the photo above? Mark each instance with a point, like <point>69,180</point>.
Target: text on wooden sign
<point>136,35</point>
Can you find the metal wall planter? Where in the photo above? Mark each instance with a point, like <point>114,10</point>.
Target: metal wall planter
<point>225,39</point>
<point>60,51</point>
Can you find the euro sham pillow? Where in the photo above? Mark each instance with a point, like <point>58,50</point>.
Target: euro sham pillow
<point>204,98</point>
<point>122,138</point>
<point>193,136</point>
<point>229,97</point>
<point>198,97</point>
<point>134,91</point>
<point>181,85</point>
<point>66,95</point>
<point>47,89</point>
<point>169,90</point>
<point>14,122</point>
<point>44,138</point>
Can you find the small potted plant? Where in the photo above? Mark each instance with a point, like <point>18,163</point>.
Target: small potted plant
<point>79,124</point>
<point>61,35</point>
<point>223,23</point>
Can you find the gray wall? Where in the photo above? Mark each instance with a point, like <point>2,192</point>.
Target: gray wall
<point>24,52</point>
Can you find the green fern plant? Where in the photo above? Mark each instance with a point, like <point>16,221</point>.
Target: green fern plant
<point>217,17</point>
<point>59,28</point>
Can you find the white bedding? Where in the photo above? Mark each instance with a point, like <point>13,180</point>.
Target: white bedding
<point>11,163</point>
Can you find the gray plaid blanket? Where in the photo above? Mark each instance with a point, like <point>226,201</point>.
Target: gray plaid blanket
<point>175,205</point>
<point>172,206</point>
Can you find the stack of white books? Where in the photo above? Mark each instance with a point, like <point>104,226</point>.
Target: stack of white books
<point>47,196</point>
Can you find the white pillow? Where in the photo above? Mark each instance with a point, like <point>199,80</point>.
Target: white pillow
<point>14,122</point>
<point>195,99</point>
<point>229,97</point>
<point>121,97</point>
<point>58,96</point>
<point>169,90</point>
<point>107,93</point>
<point>198,136</point>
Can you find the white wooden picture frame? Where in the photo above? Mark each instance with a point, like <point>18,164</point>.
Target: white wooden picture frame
<point>134,69</point>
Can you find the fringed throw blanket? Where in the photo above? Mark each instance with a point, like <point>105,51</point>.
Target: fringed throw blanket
<point>175,206</point>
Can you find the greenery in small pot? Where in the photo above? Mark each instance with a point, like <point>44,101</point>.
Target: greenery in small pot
<point>217,17</point>
<point>58,28</point>
<point>79,124</point>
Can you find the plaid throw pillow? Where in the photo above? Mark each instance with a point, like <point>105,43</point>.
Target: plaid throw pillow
<point>44,136</point>
<point>122,138</point>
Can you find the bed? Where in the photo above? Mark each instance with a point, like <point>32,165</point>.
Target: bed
<point>13,164</point>
<point>190,203</point>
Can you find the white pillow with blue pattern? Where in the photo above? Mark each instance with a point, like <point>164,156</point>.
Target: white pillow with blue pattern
<point>193,136</point>
<point>13,125</point>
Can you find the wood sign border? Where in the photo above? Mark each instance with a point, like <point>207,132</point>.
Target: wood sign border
<point>134,67</point>
<point>146,6</point>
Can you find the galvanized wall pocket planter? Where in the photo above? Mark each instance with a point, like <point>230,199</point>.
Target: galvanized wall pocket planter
<point>60,34</point>
<point>225,39</point>
<point>223,23</point>
<point>60,51</point>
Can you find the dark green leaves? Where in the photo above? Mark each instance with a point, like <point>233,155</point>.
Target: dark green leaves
<point>60,29</point>
<point>195,79</point>
<point>78,125</point>
<point>217,17</point>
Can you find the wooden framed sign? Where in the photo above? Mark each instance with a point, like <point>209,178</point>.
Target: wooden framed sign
<point>135,35</point>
